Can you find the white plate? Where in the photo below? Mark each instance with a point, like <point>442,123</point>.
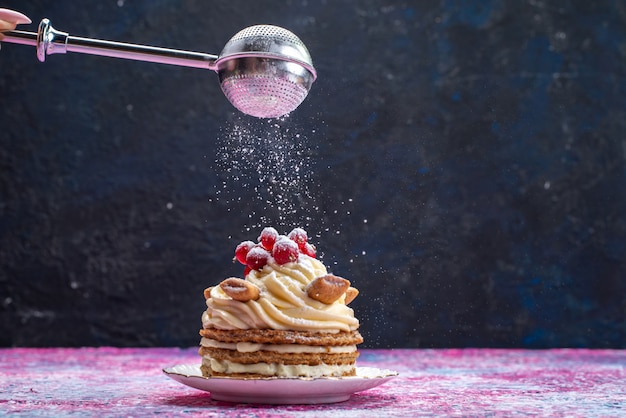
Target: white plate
<point>280,390</point>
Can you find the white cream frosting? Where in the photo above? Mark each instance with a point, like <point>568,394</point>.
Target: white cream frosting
<point>283,303</point>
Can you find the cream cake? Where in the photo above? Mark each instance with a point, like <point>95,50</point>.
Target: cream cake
<point>288,316</point>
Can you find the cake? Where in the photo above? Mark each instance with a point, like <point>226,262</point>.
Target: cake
<point>288,316</point>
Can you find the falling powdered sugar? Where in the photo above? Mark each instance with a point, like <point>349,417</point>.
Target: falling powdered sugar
<point>267,172</point>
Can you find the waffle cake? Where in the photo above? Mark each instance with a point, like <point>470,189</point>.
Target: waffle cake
<point>288,317</point>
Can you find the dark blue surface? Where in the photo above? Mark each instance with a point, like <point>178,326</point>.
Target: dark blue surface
<point>465,169</point>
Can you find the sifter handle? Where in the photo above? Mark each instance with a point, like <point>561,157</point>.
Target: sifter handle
<point>49,41</point>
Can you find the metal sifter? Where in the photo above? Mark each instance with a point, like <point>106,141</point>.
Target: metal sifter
<point>264,71</point>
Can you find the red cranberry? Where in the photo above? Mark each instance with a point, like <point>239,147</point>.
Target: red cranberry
<point>268,238</point>
<point>309,250</point>
<point>285,251</point>
<point>257,258</point>
<point>242,251</point>
<point>298,235</point>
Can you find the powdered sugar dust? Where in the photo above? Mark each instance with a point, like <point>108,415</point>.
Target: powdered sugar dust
<point>268,175</point>
<point>273,162</point>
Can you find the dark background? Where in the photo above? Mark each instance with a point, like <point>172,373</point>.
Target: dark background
<point>463,164</point>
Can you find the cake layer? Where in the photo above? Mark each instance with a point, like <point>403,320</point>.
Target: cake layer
<point>270,336</point>
<point>311,359</point>
<point>247,347</point>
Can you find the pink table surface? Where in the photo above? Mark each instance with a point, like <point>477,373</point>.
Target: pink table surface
<point>476,382</point>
